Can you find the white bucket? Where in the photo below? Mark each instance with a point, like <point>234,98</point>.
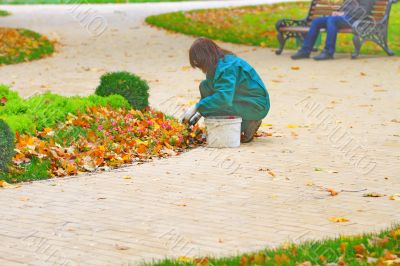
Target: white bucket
<point>223,131</point>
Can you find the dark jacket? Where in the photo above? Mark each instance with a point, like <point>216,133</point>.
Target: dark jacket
<point>357,9</point>
<point>235,89</point>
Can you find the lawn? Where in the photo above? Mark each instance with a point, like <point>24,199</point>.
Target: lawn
<point>21,45</point>
<point>256,25</point>
<point>81,1</point>
<point>369,249</point>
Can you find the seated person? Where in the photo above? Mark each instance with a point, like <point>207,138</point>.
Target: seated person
<point>349,12</point>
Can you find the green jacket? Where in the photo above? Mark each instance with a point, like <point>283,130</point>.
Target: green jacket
<point>235,89</point>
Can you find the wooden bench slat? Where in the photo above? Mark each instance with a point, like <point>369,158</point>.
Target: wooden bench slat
<point>306,29</point>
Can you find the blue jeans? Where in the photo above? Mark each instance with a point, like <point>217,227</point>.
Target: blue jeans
<point>332,24</point>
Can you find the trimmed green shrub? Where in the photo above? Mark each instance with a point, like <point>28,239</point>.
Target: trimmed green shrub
<point>131,87</point>
<point>7,145</point>
<point>4,13</point>
<point>46,110</point>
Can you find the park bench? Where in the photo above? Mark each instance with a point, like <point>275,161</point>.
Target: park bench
<point>373,28</point>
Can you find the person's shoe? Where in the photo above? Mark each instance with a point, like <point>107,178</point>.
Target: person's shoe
<point>300,55</point>
<point>324,55</point>
<point>250,131</point>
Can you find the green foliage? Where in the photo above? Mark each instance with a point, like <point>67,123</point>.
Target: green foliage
<point>255,25</point>
<point>4,13</point>
<point>128,85</point>
<point>36,169</point>
<point>46,110</point>
<point>67,136</point>
<point>339,251</point>
<point>7,145</point>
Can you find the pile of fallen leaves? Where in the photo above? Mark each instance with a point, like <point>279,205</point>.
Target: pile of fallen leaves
<point>104,138</point>
<point>18,45</point>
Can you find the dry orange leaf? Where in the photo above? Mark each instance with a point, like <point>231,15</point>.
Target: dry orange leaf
<point>281,259</point>
<point>332,191</point>
<point>92,137</point>
<point>343,247</point>
<point>271,173</point>
<point>4,184</point>
<point>395,197</point>
<point>390,256</point>
<point>335,219</point>
<point>359,249</point>
<point>295,68</point>
<point>3,100</point>
<point>142,148</point>
<point>121,247</point>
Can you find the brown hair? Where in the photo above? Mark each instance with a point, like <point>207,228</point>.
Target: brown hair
<point>204,54</point>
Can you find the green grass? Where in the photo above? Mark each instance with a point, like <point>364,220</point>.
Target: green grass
<point>256,25</point>
<point>46,110</point>
<point>4,13</point>
<point>81,1</point>
<point>21,45</point>
<point>377,248</point>
<point>36,169</point>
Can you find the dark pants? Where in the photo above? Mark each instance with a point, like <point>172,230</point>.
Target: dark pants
<point>332,24</point>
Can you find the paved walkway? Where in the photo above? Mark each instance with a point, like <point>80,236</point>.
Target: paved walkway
<point>206,201</point>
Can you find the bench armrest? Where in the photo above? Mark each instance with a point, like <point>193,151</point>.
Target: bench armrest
<point>290,23</point>
<point>366,27</point>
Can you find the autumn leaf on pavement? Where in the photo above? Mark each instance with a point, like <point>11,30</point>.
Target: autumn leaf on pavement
<point>335,219</point>
<point>295,68</point>
<point>373,195</point>
<point>332,192</point>
<point>4,184</point>
<point>269,171</point>
<point>395,197</point>
<point>121,247</point>
<point>186,68</point>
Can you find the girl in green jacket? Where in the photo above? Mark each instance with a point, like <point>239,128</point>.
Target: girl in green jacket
<point>231,88</point>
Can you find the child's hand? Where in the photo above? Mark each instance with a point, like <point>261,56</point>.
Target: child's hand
<point>191,111</point>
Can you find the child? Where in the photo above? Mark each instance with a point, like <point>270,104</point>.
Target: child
<point>232,87</point>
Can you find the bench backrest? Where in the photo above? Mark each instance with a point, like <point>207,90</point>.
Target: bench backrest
<point>321,8</point>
